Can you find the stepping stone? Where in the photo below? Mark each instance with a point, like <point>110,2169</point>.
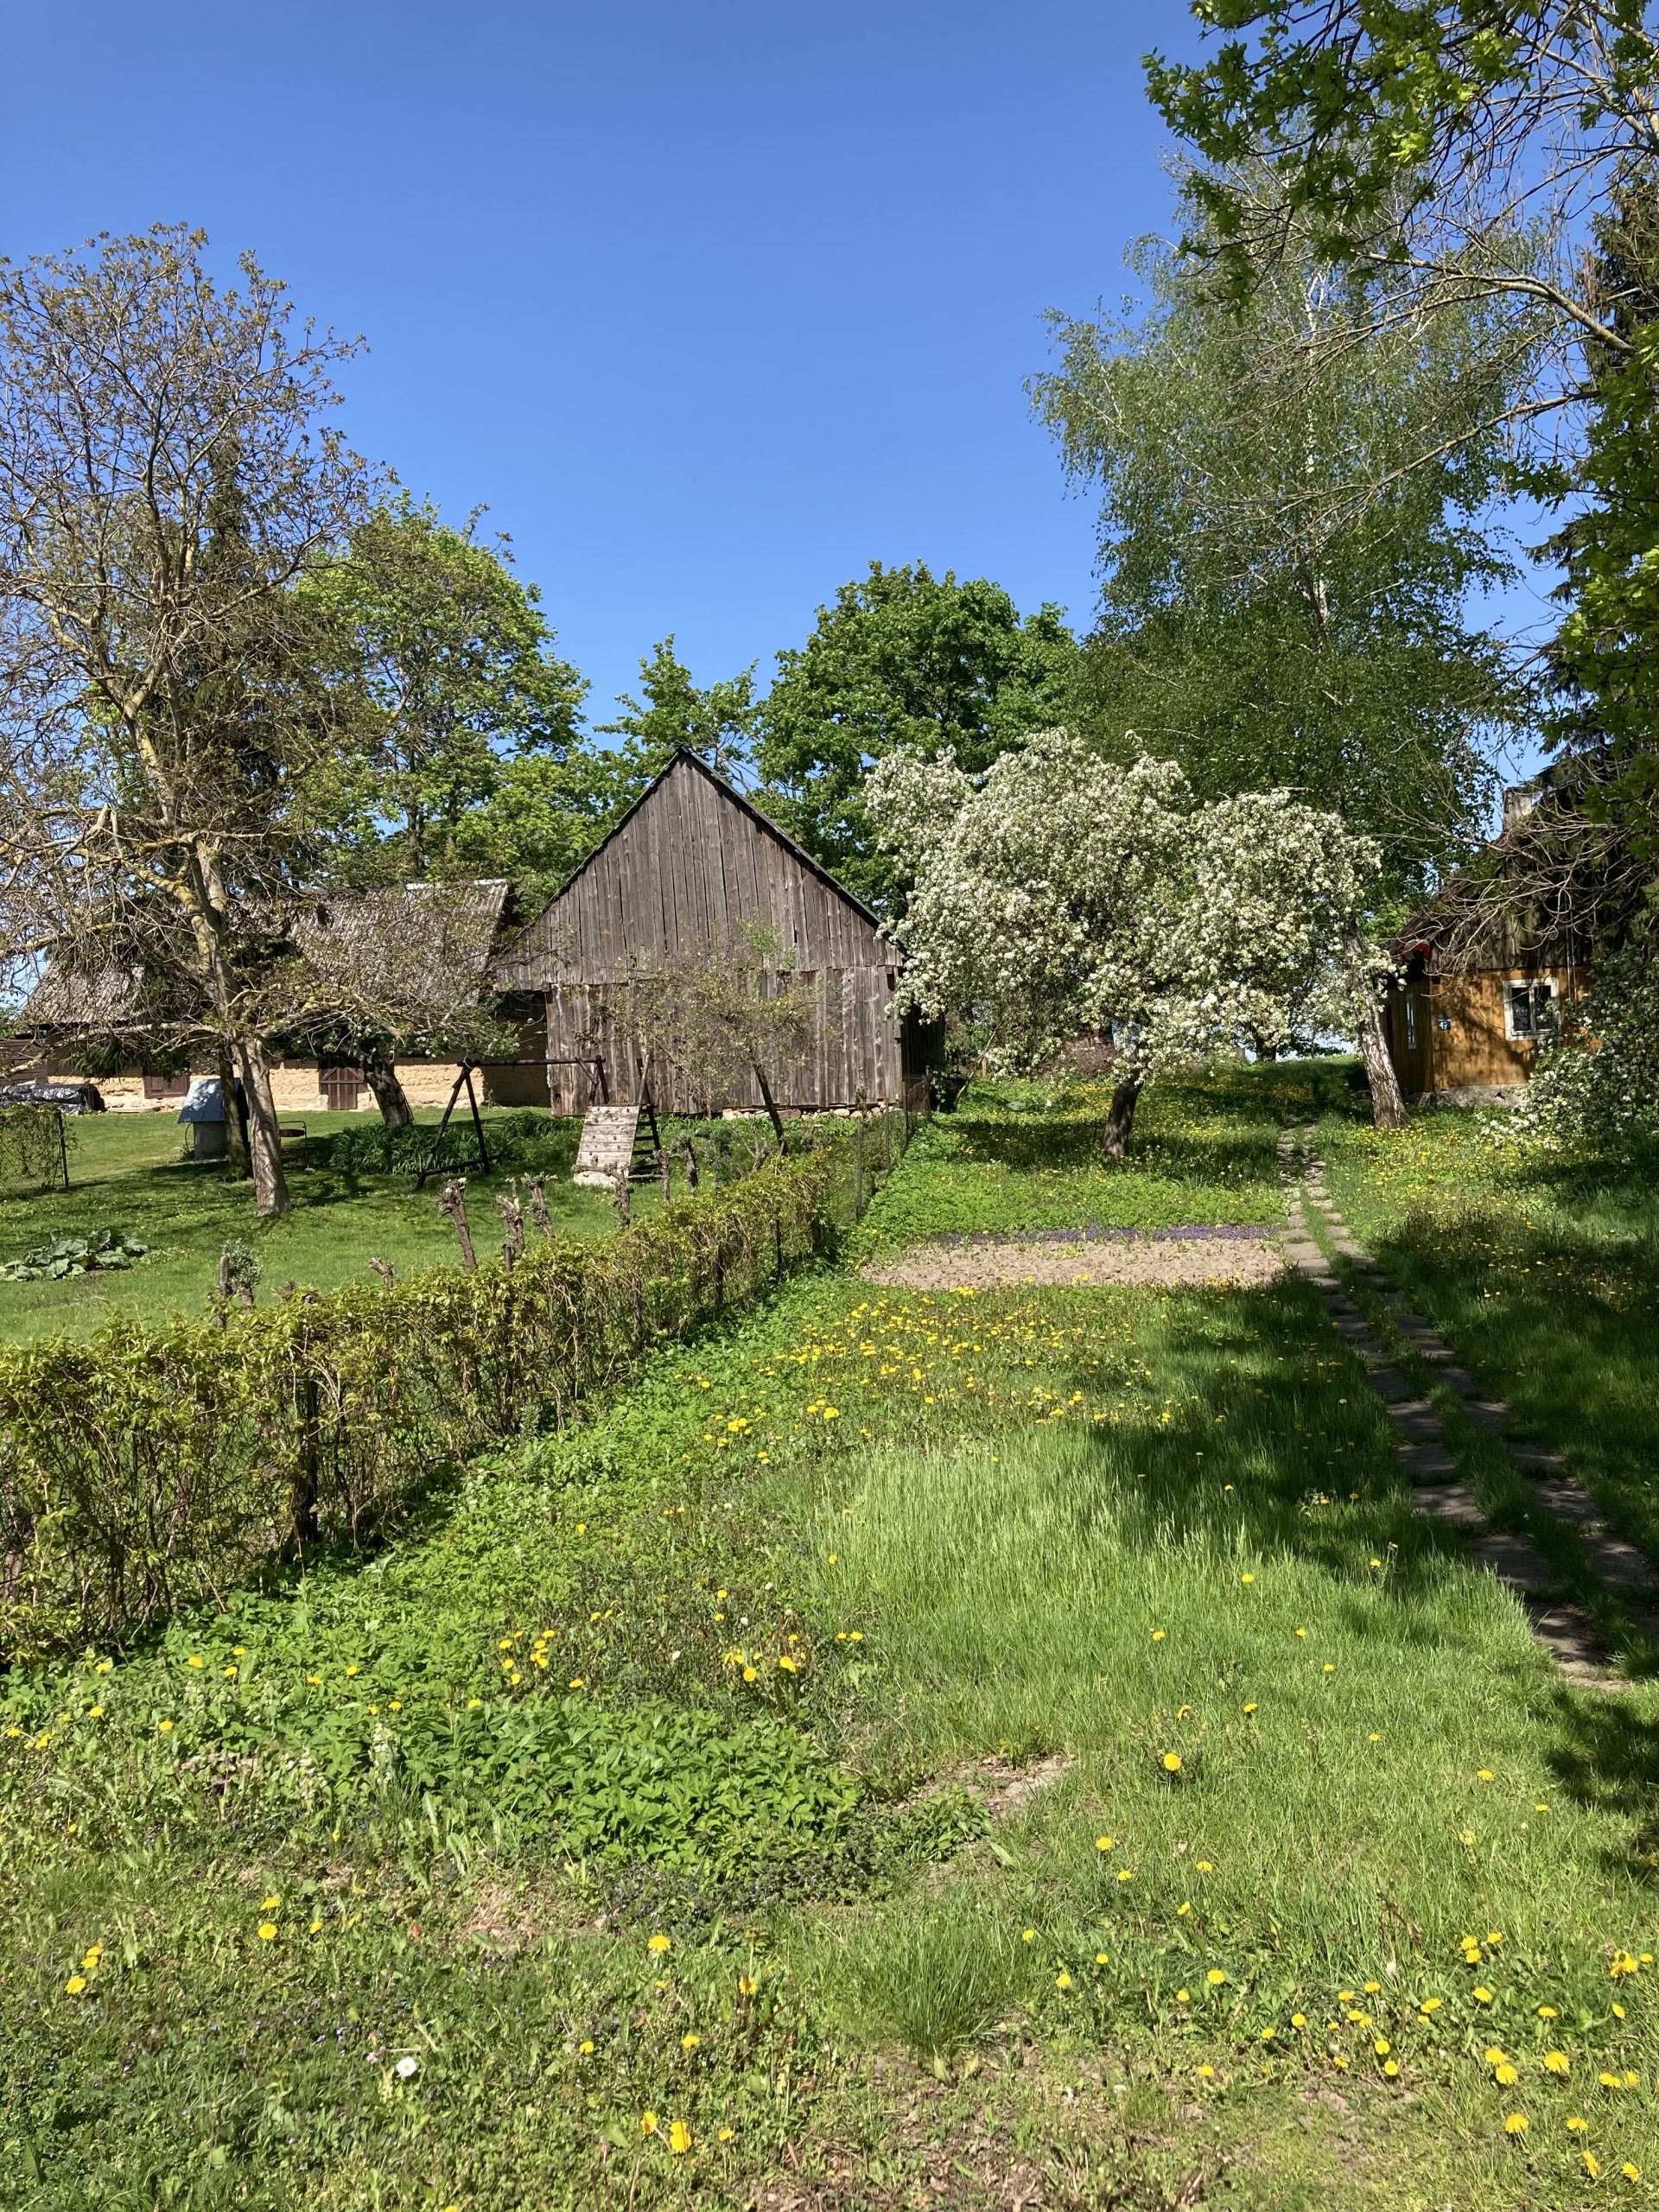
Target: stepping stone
<point>1428,1463</point>
<point>1649,1624</point>
<point>1620,1563</point>
<point>1568,1503</point>
<point>1353,1323</point>
<point>1490,1413</point>
<point>1514,1562</point>
<point>1416,1419</point>
<point>1371,1356</point>
<point>1461,1380</point>
<point>1431,1348</point>
<point>1571,1637</point>
<point>1453,1504</point>
<point>1537,1455</point>
<point>1389,1383</point>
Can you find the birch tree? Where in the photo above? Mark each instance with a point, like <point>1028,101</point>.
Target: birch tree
<point>168,475</point>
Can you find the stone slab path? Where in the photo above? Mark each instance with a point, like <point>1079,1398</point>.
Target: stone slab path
<point>1439,1490</point>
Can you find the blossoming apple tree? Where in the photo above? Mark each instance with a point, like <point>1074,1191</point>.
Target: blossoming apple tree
<point>1061,893</point>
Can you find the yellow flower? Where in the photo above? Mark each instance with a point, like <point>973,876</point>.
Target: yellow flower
<point>1609,2081</point>
<point>75,1984</point>
<point>1105,1842</point>
<point>1466,1837</point>
<point>578,1682</point>
<point>727,2133</point>
<point>1370,1988</point>
<point>1182,1909</point>
<point>1578,2125</point>
<point>751,1674</point>
<point>164,1726</point>
<point>647,2123</point>
<point>1157,1636</point>
<point>195,1661</point>
<point>1483,1774</point>
<point>1630,2171</point>
<point>1516,2123</point>
<point>1172,1762</point>
<point>270,1905</point>
<point>1250,1707</point>
<point>1103,1958</point>
<point>1390,2067</point>
<point>1183,1997</point>
<point>1126,1873</point>
<point>679,2138</point>
<point>1246,1578</point>
<point>1557,2062</point>
<point>1483,1997</point>
<point>1027,1934</point>
<point>585,2046</point>
<point>1505,2075</point>
<point>1215,1977</point>
<point>1206,2073</point>
<point>1205,1867</point>
<point>1547,2011</point>
<point>1299,2019</point>
<point>1593,2165</point>
<point>1380,2046</point>
<point>1062,1981</point>
<point>267,1931</point>
<point>660,1943</point>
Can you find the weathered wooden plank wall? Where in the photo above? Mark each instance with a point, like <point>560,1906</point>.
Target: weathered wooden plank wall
<point>693,865</point>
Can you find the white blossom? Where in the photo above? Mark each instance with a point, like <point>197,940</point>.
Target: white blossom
<point>1062,893</point>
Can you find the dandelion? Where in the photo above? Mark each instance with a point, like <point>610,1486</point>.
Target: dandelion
<point>648,2123</point>
<point>1126,1873</point>
<point>1301,1632</point>
<point>1205,1867</point>
<point>1105,1842</point>
<point>1206,2073</point>
<point>164,1727</point>
<point>1062,1981</point>
<point>1482,1995</point>
<point>1547,2011</point>
<point>1371,1987</point>
<point>1390,2067</point>
<point>1103,1958</point>
<point>1630,2171</point>
<point>1483,1774</point>
<point>727,2133</point>
<point>195,1660</point>
<point>1251,1707</point>
<point>659,1943</point>
<point>1268,2034</point>
<point>1609,2081</point>
<point>267,1931</point>
<point>690,2042</point>
<point>1516,2123</point>
<point>1246,1578</point>
<point>1578,2125</point>
<point>1172,1762</point>
<point>679,2138</point>
<point>1593,2165</point>
<point>407,2068</point>
<point>1380,2046</point>
<point>1027,1934</point>
<point>586,2047</point>
<point>1466,1837</point>
<point>1183,1997</point>
<point>1299,2019</point>
<point>1505,2075</point>
<point>1557,2062</point>
<point>1157,1636</point>
<point>75,1984</point>
<point>1215,1977</point>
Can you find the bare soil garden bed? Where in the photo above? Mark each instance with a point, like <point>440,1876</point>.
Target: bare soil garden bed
<point>1161,1259</point>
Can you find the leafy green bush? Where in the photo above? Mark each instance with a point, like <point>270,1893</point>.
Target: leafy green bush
<point>103,1250</point>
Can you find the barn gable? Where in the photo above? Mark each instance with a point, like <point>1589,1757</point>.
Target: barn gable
<point>691,863</point>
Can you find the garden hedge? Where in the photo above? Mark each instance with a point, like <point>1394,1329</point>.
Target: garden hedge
<point>143,1470</point>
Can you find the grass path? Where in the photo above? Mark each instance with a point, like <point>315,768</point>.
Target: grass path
<point>615,1840</point>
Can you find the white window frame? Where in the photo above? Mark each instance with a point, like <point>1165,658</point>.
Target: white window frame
<point>1532,983</point>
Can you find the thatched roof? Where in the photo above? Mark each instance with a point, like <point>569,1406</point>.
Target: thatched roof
<point>420,948</point>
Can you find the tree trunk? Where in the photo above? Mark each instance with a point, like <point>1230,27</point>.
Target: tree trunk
<point>389,1094</point>
<point>236,1118</point>
<point>1120,1120</point>
<point>264,1143</point>
<point>772,1104</point>
<point>1387,1101</point>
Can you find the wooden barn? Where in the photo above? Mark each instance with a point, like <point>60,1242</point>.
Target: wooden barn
<point>692,864</point>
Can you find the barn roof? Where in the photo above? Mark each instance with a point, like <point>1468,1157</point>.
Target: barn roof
<point>512,962</point>
<point>426,945</point>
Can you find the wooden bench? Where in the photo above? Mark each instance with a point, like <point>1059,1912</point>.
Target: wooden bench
<point>293,1144</point>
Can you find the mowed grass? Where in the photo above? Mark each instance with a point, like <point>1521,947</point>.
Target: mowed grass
<point>338,1943</point>
<point>129,1171</point>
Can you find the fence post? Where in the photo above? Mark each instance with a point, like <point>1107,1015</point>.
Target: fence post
<point>858,1154</point>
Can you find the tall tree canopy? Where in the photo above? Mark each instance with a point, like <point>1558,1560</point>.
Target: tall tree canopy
<point>718,724</point>
<point>1285,582</point>
<point>169,478</point>
<point>458,681</point>
<point>902,658</point>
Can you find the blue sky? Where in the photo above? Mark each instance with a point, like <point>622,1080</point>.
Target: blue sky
<point>711,303</point>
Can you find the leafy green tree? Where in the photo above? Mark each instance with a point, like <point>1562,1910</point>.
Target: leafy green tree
<point>902,658</point>
<point>1285,579</point>
<point>1407,141</point>
<point>454,666</point>
<point>718,724</point>
<point>1604,658</point>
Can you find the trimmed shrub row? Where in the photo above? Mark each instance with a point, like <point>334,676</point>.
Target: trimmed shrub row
<point>144,1469</point>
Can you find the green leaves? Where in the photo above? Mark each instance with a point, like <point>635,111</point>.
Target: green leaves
<point>103,1248</point>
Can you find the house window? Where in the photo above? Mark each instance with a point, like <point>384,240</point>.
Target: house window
<point>341,1088</point>
<point>1411,1021</point>
<point>166,1086</point>
<point>1530,1009</point>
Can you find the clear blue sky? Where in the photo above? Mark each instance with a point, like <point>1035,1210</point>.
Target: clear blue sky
<point>711,303</point>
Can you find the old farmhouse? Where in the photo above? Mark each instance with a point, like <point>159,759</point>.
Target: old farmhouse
<point>1486,973</point>
<point>694,863</point>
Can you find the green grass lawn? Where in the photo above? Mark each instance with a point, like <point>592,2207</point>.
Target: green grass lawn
<point>131,1171</point>
<point>606,1842</point>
